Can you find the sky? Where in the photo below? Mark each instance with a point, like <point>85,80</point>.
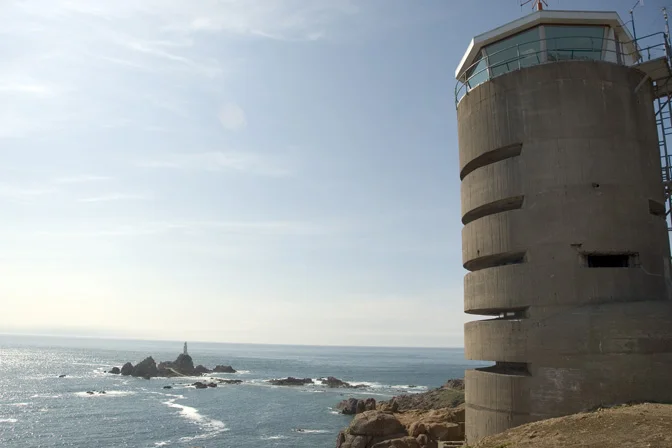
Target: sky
<point>262,171</point>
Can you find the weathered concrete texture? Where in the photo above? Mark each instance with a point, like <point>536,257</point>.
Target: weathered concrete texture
<point>588,169</point>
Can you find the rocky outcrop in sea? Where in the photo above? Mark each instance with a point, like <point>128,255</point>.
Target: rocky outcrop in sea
<point>406,421</point>
<point>182,366</point>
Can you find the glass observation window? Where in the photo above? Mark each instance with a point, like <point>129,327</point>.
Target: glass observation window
<point>518,51</point>
<point>478,73</point>
<point>574,42</point>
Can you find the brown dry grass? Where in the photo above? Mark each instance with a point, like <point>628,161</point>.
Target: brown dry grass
<point>640,426</point>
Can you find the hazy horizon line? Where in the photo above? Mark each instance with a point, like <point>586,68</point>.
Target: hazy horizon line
<point>136,339</point>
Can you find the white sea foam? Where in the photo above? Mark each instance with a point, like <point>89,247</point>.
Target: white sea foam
<point>21,404</point>
<point>162,443</point>
<point>273,437</point>
<point>211,426</point>
<point>312,431</point>
<point>8,420</point>
<point>46,396</point>
<point>108,393</point>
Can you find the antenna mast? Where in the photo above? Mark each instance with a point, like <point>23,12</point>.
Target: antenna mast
<point>536,4</point>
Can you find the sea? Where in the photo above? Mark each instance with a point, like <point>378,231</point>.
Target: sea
<point>39,409</point>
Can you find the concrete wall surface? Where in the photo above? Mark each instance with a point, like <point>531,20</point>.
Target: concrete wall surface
<point>560,167</point>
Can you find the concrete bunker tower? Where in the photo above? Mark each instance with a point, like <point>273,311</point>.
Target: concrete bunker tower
<point>564,215</point>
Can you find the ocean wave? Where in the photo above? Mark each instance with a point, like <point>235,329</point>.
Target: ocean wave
<point>8,420</point>
<point>20,404</point>
<point>273,437</point>
<point>312,431</point>
<point>46,396</point>
<point>211,426</point>
<point>162,443</point>
<point>108,393</point>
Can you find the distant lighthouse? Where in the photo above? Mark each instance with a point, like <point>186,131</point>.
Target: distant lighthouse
<point>185,349</point>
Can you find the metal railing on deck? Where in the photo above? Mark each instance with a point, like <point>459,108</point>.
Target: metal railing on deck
<point>550,50</point>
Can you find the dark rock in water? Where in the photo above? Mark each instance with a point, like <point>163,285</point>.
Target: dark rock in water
<point>361,407</point>
<point>127,369</point>
<point>219,380</point>
<point>200,370</point>
<point>370,404</point>
<point>184,365</point>
<point>62,376</point>
<point>348,407</point>
<point>199,385</point>
<point>224,369</point>
<point>115,371</point>
<point>90,392</point>
<point>212,384</point>
<point>102,392</point>
<point>145,368</point>
<point>167,387</point>
<point>291,381</point>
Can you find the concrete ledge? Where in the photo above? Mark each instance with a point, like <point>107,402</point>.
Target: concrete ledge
<point>488,291</point>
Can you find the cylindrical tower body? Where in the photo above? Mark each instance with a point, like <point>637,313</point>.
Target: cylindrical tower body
<point>566,242</point>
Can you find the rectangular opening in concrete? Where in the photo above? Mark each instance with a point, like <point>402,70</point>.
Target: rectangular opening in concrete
<point>656,208</point>
<point>490,157</point>
<point>503,205</point>
<point>508,368</point>
<point>626,260</point>
<point>513,314</point>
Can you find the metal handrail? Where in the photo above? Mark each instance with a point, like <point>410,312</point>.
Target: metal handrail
<point>463,86</point>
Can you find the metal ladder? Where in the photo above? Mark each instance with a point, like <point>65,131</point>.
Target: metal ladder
<point>663,109</point>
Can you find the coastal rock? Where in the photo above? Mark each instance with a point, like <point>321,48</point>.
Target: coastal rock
<point>145,368</point>
<point>114,371</point>
<point>334,382</point>
<point>423,440</point>
<point>220,380</point>
<point>445,432</point>
<point>404,442</point>
<point>62,376</point>
<point>183,365</point>
<point>348,407</point>
<point>200,370</point>
<point>375,424</point>
<point>291,381</point>
<point>361,407</point>
<point>199,385</point>
<point>449,395</point>
<point>350,441</point>
<point>455,383</point>
<point>167,387</point>
<point>224,369</point>
<point>370,404</point>
<point>127,369</point>
<point>416,429</point>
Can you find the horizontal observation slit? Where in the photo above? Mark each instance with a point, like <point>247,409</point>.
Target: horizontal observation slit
<point>491,261</point>
<point>508,368</point>
<point>611,260</point>
<point>502,313</point>
<point>492,208</point>
<point>490,157</point>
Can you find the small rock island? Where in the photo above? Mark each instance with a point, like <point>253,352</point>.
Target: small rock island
<point>182,366</point>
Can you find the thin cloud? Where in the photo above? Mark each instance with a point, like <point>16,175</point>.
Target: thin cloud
<point>232,117</point>
<point>218,161</point>
<point>18,193</point>
<point>82,178</point>
<point>259,228</point>
<point>116,197</point>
